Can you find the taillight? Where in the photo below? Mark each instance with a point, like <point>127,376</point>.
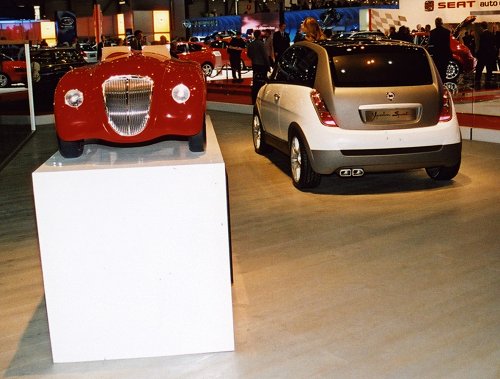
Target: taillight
<point>446,106</point>
<point>324,115</point>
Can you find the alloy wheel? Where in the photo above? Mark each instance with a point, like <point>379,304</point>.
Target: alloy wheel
<point>295,159</point>
<point>256,132</point>
<point>207,69</point>
<point>452,71</point>
<point>4,80</point>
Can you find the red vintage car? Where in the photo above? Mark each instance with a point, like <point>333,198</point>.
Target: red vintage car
<point>130,98</point>
<point>11,71</point>
<point>208,59</point>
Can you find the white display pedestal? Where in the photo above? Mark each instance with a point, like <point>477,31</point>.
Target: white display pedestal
<point>134,245</point>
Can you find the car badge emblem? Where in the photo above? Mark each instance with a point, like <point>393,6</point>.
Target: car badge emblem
<point>390,96</point>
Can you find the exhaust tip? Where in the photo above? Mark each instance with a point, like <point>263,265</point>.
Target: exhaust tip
<point>348,172</point>
<point>358,172</point>
<point>345,172</point>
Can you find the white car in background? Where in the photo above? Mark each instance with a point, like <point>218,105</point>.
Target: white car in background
<point>89,53</point>
<point>354,107</point>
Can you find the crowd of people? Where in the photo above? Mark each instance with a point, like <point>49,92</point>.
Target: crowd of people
<point>268,45</point>
<point>483,41</point>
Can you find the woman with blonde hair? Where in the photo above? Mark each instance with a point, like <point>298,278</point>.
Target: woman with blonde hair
<point>312,30</point>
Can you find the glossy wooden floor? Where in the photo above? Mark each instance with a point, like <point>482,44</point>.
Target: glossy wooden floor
<point>385,276</point>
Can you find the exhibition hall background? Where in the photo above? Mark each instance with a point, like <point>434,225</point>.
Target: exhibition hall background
<point>478,111</point>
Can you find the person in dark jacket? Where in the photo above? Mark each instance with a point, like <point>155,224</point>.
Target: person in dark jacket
<point>281,41</point>
<point>439,45</point>
<point>234,49</point>
<point>136,41</point>
<point>260,63</point>
<point>486,56</point>
<point>392,33</point>
<point>497,45</point>
<point>100,45</point>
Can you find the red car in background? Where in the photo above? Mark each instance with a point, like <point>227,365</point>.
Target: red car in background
<point>11,71</point>
<point>222,45</point>
<point>208,59</point>
<point>131,98</point>
<point>462,59</point>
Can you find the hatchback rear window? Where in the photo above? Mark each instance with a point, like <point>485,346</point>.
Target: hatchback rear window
<point>379,66</point>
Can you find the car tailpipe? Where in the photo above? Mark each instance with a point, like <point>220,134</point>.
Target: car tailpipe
<point>348,172</point>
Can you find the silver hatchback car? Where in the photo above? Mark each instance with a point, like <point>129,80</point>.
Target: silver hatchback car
<point>356,107</point>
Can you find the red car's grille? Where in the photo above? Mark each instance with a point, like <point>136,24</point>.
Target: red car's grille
<point>127,99</point>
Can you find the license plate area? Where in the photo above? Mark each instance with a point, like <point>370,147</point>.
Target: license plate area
<point>383,115</point>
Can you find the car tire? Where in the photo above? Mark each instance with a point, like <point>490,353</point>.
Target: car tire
<point>258,135</point>
<point>452,71</point>
<point>207,68</point>
<point>198,142</point>
<point>443,172</point>
<point>70,149</point>
<point>4,80</point>
<point>303,175</point>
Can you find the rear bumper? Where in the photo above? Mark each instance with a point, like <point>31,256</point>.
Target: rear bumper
<point>379,160</point>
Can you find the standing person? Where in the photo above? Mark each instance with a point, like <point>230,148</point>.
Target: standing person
<point>236,46</point>
<point>392,32</point>
<point>260,63</point>
<point>136,40</point>
<point>268,43</point>
<point>299,36</point>
<point>100,45</point>
<point>439,43</point>
<point>281,41</point>
<point>497,42</point>
<point>468,40</point>
<point>76,44</point>
<point>173,49</point>
<point>486,56</point>
<point>403,34</point>
<point>313,33</point>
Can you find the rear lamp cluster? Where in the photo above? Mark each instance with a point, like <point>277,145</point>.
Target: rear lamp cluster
<point>324,115</point>
<point>446,106</point>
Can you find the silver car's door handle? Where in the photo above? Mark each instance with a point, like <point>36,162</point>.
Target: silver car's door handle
<point>276,97</point>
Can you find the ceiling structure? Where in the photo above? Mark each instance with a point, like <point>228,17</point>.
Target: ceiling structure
<point>17,9</point>
<point>24,9</point>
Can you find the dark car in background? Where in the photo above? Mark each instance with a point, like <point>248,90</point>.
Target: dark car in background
<point>48,66</point>
<point>53,63</point>
<point>89,52</point>
<point>374,34</point>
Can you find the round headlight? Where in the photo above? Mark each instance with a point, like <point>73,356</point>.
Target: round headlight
<point>180,93</point>
<point>73,98</point>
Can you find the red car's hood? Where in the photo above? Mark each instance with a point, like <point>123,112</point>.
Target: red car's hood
<point>151,65</point>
